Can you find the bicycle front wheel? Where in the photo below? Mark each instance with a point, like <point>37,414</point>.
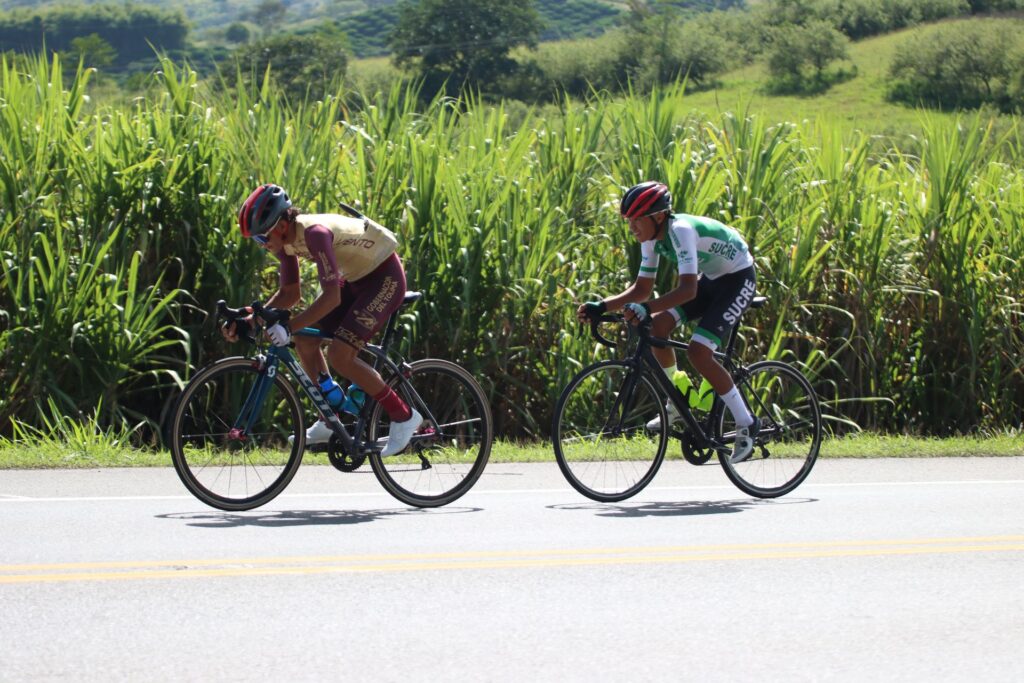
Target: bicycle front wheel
<point>787,444</point>
<point>230,435</point>
<point>449,451</point>
<point>602,441</point>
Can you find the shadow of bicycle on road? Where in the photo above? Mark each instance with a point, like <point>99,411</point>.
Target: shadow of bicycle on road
<point>676,508</point>
<point>291,518</point>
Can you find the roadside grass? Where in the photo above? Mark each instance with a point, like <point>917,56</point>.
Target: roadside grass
<point>45,453</point>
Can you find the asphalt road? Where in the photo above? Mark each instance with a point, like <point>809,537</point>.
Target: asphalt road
<point>893,569</point>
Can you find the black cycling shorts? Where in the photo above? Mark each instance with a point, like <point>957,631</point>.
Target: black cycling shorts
<point>718,305</point>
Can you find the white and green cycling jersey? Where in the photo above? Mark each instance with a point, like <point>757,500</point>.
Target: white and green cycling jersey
<point>698,245</point>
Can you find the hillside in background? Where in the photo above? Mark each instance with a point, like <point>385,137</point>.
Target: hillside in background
<point>367,22</point>
<point>368,30</point>
<point>858,103</point>
<point>218,14</point>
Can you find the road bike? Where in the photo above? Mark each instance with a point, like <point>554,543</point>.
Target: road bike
<point>608,451</point>
<point>238,434</point>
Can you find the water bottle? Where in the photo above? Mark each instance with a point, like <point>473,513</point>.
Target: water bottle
<point>703,397</point>
<point>354,400</point>
<point>699,399</point>
<point>331,390</point>
<point>685,386</point>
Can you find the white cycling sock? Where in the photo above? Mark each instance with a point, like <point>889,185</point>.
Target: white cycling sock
<point>739,411</point>
<point>669,371</point>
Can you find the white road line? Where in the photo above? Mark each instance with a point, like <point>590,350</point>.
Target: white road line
<point>500,492</point>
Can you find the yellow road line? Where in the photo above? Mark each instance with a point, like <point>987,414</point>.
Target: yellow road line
<point>279,566</point>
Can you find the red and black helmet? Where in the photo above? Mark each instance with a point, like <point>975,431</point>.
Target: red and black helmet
<point>645,199</point>
<point>262,210</point>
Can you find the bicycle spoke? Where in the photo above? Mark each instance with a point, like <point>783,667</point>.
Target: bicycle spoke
<point>222,466</point>
<point>455,439</point>
<point>787,444</point>
<point>600,434</point>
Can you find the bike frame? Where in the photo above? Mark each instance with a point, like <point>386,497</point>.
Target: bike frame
<point>643,356</point>
<point>275,356</point>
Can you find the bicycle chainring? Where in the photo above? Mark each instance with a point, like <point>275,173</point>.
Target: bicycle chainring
<point>692,454</point>
<point>341,460</point>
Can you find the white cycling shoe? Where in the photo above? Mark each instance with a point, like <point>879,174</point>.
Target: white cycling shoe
<point>317,434</point>
<point>743,446</point>
<point>673,416</point>
<point>401,433</point>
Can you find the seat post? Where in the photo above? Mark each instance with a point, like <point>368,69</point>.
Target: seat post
<point>389,331</point>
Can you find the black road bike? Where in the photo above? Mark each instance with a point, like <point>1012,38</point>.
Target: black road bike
<point>609,448</point>
<point>237,434</point>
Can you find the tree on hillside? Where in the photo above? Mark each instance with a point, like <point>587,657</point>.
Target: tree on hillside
<point>661,48</point>
<point>237,33</point>
<point>964,65</point>
<point>457,43</point>
<point>301,66</point>
<point>983,6</point>
<point>131,30</point>
<point>92,51</point>
<point>268,15</point>
<point>798,56</point>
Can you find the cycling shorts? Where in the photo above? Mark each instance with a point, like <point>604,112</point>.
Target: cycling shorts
<point>718,305</point>
<point>366,304</point>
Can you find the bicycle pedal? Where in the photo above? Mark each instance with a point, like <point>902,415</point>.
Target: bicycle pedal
<point>317,447</point>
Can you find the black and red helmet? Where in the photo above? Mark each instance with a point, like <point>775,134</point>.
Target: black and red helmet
<point>645,199</point>
<point>262,210</point>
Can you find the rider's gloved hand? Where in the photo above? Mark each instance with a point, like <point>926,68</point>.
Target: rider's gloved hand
<point>279,334</point>
<point>641,312</point>
<point>591,310</point>
<point>237,329</point>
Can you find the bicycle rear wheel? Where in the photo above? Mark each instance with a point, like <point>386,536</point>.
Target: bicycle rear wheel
<point>787,444</point>
<point>229,446</point>
<point>449,451</point>
<point>601,440</point>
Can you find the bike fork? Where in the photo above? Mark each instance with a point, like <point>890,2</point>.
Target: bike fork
<point>253,403</point>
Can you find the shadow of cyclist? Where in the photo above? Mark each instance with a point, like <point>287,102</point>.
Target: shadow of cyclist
<point>675,508</point>
<point>289,518</point>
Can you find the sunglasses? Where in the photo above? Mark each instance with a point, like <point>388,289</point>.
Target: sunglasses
<point>263,239</point>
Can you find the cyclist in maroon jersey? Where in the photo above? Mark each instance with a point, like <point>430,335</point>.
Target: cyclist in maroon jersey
<point>362,283</point>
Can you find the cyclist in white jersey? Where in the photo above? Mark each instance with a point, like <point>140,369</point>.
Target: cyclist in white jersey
<point>716,284</point>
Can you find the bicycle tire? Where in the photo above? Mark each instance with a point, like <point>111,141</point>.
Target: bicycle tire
<point>456,446</point>
<point>609,464</point>
<point>204,449</point>
<point>790,415</point>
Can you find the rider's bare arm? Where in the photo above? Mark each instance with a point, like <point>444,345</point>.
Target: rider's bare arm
<point>328,300</point>
<point>685,291</point>
<point>637,292</point>
<point>286,296</point>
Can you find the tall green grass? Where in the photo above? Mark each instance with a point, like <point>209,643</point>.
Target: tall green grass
<point>893,276</point>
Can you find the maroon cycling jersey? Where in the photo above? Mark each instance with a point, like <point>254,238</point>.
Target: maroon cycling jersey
<point>319,242</point>
<point>342,247</point>
<point>359,257</point>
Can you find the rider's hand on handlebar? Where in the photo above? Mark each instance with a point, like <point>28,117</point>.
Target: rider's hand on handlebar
<point>590,311</point>
<point>232,330</point>
<point>635,313</point>
<point>279,334</point>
